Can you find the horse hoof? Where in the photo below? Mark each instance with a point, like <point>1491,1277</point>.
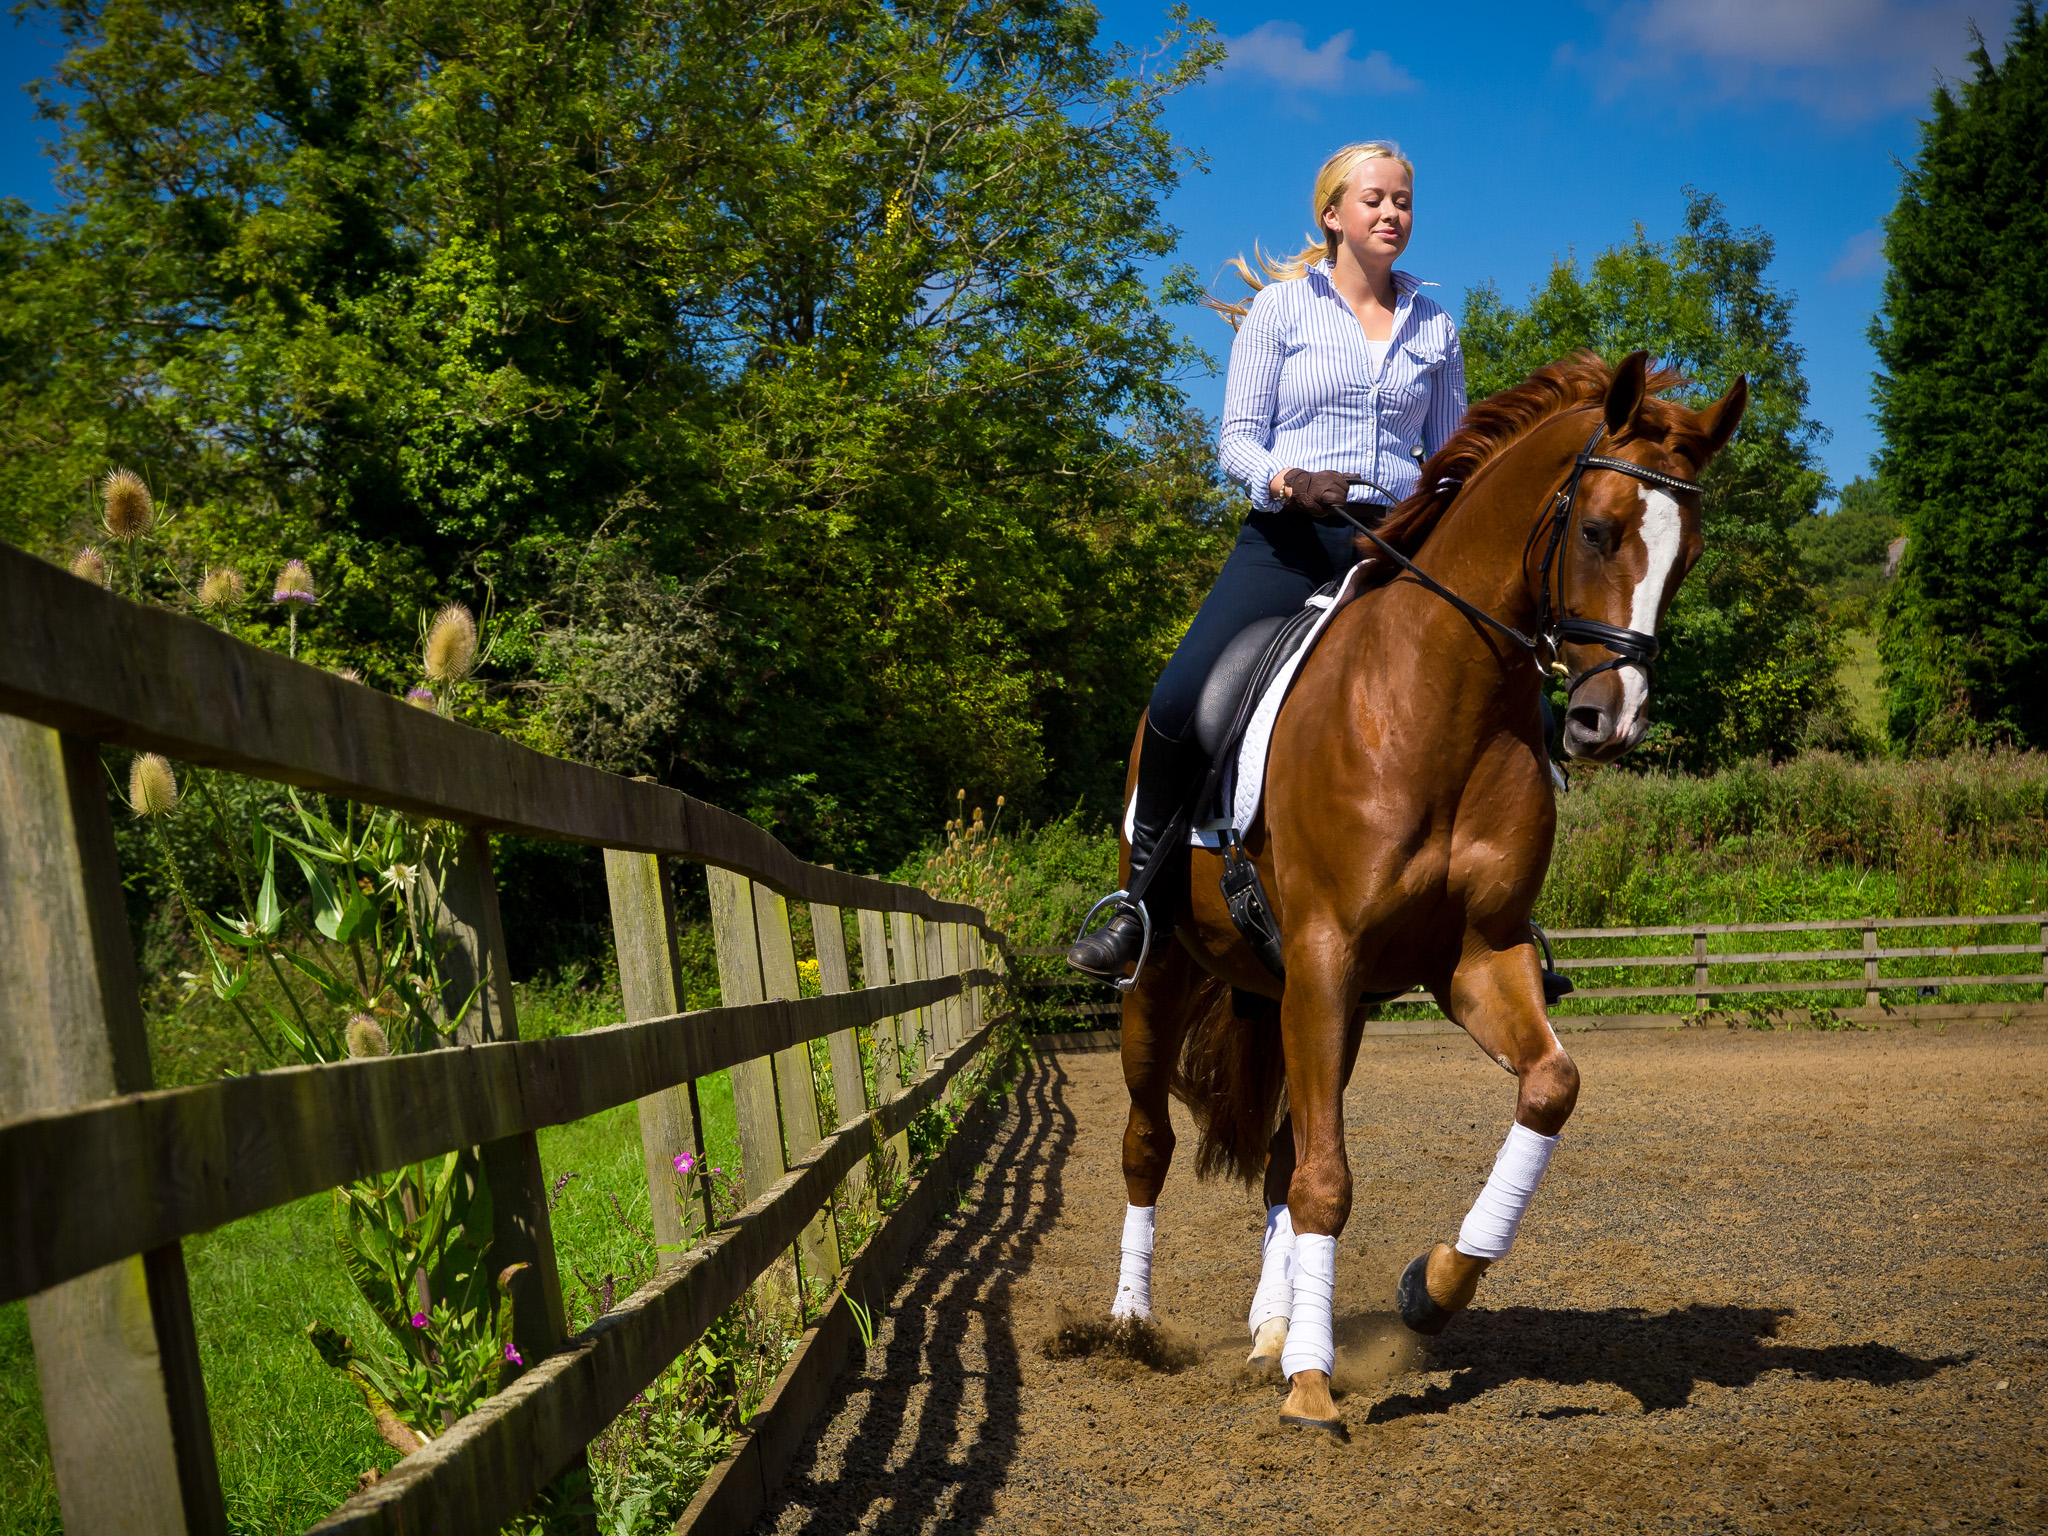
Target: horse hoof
<point>1419,1309</point>
<point>1266,1346</point>
<point>1310,1406</point>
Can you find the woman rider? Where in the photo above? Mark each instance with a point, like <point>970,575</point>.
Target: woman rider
<point>1340,367</point>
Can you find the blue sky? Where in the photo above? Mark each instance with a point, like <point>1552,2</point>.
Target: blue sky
<point>1537,129</point>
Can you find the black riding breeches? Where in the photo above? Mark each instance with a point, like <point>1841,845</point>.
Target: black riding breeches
<point>1280,560</point>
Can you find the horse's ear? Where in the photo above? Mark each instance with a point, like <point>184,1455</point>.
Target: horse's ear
<point>1625,391</point>
<point>1720,419</point>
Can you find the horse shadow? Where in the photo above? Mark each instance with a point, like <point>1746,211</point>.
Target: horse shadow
<point>1658,1358</point>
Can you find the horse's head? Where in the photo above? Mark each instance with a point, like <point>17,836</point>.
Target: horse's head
<point>1625,547</point>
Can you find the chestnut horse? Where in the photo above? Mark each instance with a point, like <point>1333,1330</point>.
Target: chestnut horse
<point>1405,831</point>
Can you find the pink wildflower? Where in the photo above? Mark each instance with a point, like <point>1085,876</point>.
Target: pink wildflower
<point>419,1319</point>
<point>512,1356</point>
<point>686,1163</point>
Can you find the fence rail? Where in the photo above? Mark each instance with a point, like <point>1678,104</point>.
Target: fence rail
<point>101,1177</point>
<point>1704,988</point>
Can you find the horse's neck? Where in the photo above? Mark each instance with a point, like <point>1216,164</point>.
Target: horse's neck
<point>1482,550</point>
<point>1487,544</point>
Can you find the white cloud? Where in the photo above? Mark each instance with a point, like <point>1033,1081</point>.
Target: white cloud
<point>1843,58</point>
<point>1862,254</point>
<point>1279,51</point>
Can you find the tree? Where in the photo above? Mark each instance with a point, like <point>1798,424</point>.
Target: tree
<point>1749,663</point>
<point>1845,551</point>
<point>1962,340</point>
<point>816,320</point>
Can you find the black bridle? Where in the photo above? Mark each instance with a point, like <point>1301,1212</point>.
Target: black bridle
<point>1554,628</point>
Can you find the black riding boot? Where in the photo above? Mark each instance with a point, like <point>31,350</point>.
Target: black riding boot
<point>1168,773</point>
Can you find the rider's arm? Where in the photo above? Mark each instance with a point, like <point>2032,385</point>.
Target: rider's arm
<point>1251,394</point>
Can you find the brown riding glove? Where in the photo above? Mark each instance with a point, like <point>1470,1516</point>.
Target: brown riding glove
<point>1319,491</point>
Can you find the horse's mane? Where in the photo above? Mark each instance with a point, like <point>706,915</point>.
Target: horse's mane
<point>1501,420</point>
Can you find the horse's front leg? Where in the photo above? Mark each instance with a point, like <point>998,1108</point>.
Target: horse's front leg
<point>1314,1040</point>
<point>1273,1301</point>
<point>1497,995</point>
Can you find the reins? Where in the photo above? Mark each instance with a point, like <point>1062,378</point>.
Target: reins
<point>1631,647</point>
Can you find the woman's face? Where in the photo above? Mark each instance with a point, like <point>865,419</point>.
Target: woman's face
<point>1375,215</point>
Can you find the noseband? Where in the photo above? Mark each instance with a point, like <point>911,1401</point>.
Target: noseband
<point>1555,628</point>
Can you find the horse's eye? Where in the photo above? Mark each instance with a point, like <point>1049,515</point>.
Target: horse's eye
<point>1594,534</point>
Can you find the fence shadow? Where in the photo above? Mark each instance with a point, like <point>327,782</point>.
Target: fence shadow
<point>1658,1358</point>
<point>961,1419</point>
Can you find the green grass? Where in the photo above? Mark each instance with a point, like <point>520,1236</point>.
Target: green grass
<point>292,1436</point>
<point>1868,705</point>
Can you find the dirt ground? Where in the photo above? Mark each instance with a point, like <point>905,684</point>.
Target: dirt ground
<point>1774,1282</point>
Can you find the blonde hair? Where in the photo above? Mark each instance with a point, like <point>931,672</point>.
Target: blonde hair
<point>1332,182</point>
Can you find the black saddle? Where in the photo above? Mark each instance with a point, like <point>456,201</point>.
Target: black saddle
<point>1242,673</point>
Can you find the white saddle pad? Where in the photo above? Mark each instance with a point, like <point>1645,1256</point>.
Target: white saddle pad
<point>1245,783</point>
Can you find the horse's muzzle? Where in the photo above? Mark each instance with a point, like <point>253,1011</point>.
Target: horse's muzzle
<point>1596,733</point>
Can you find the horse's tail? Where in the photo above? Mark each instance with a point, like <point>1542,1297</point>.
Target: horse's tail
<point>1231,1077</point>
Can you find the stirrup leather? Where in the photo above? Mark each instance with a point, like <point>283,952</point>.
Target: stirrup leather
<point>1244,894</point>
<point>1120,901</point>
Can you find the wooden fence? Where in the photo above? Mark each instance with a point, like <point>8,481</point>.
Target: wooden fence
<point>102,1178</point>
<point>1895,981</point>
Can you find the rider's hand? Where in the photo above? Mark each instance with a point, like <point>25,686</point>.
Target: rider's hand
<point>1322,490</point>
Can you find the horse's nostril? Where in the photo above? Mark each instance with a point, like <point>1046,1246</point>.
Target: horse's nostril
<point>1588,720</point>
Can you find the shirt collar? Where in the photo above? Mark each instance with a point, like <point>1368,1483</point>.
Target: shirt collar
<point>1405,283</point>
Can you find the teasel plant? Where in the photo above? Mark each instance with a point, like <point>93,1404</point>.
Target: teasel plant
<point>221,591</point>
<point>90,565</point>
<point>969,864</point>
<point>293,590</point>
<point>355,970</point>
<point>128,512</point>
<point>452,647</point>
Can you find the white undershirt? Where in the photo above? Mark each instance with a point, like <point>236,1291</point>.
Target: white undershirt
<point>1376,352</point>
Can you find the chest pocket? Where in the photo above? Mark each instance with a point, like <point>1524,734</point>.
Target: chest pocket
<point>1413,371</point>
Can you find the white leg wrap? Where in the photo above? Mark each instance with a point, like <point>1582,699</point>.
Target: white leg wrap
<point>1275,1295</point>
<point>1134,1275</point>
<point>1489,1229</point>
<point>1311,1329</point>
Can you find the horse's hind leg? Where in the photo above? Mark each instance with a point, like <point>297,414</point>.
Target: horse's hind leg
<point>1156,1016</point>
<point>1497,995</point>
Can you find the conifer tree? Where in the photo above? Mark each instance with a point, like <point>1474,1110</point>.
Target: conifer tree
<point>1963,401</point>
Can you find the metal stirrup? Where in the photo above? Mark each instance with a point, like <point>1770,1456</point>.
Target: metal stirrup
<point>1121,900</point>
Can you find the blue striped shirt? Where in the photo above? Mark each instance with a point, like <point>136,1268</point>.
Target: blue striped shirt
<point>1305,392</point>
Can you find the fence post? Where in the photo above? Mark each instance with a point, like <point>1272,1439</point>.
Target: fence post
<point>932,941</point>
<point>913,1029</point>
<point>849,1083</point>
<point>970,959</point>
<point>796,1085</point>
<point>124,1404</point>
<point>753,968</point>
<point>1702,999</point>
<point>644,933</point>
<point>1871,997</point>
<point>2044,961</point>
<point>888,1033</point>
<point>465,897</point>
<point>952,955</point>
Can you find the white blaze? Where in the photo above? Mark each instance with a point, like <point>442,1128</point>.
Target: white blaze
<point>1661,531</point>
